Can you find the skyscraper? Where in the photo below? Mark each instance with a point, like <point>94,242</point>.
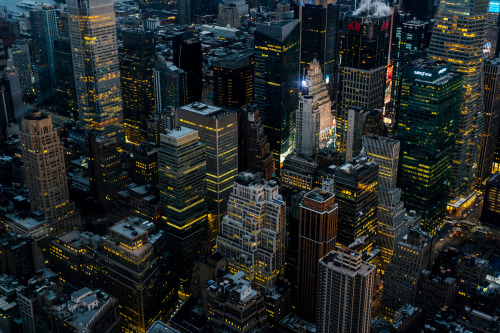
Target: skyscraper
<point>319,31</point>
<point>136,70</point>
<point>182,172</point>
<point>253,231</point>
<point>277,48</point>
<point>188,57</point>
<point>254,152</point>
<point>412,38</point>
<point>46,173</point>
<point>364,48</point>
<point>491,206</point>
<point>170,85</point>
<point>393,221</point>
<point>317,235</point>
<point>314,85</point>
<point>307,127</point>
<point>19,53</point>
<point>492,33</point>
<point>233,80</point>
<point>11,99</point>
<point>96,67</point>
<point>184,12</point>
<point>44,32</point>
<point>356,190</point>
<point>491,82</point>
<point>218,129</point>
<point>427,125</point>
<point>412,254</point>
<point>463,51</point>
<point>345,290</point>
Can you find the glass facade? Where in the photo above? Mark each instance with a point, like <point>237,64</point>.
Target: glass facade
<point>428,119</point>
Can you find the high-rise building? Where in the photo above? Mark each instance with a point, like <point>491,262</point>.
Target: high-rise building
<point>146,164</point>
<point>253,231</point>
<point>307,127</point>
<point>491,82</point>
<point>364,47</point>
<point>19,53</point>
<point>427,125</point>
<point>393,221</point>
<point>319,32</point>
<point>11,99</point>
<point>184,12</point>
<point>188,57</point>
<point>45,170</point>
<point>234,306</point>
<point>412,254</point>
<point>228,16</point>
<point>218,130</point>
<point>233,80</point>
<point>277,50</point>
<point>356,192</point>
<point>170,85</point>
<point>106,175</point>
<point>317,235</point>
<point>63,68</point>
<point>492,33</point>
<point>92,31</point>
<point>313,85</point>
<point>133,271</point>
<point>182,172</point>
<point>361,122</point>
<point>464,53</point>
<point>412,38</point>
<point>422,10</point>
<point>136,69</point>
<point>345,291</point>
<point>44,32</point>
<point>254,152</point>
<point>491,206</point>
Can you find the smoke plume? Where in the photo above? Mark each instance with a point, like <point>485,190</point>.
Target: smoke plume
<point>374,7</point>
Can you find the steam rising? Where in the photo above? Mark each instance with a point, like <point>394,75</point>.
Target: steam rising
<point>375,7</point>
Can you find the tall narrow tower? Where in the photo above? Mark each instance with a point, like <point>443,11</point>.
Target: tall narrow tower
<point>96,67</point>
<point>458,38</point>
<point>46,173</point>
<point>317,235</point>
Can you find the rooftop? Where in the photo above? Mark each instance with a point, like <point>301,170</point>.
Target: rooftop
<point>161,327</point>
<point>319,195</point>
<point>129,228</point>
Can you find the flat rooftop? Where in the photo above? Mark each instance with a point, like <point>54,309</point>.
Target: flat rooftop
<point>128,229</point>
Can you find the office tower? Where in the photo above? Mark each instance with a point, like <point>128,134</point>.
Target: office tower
<point>234,306</point>
<point>345,291</point>
<point>319,38</point>
<point>228,16</point>
<point>44,32</point>
<point>427,126</point>
<point>218,130</point>
<point>136,69</point>
<point>105,168</point>
<point>188,57</point>
<point>182,172</point>
<point>435,292</point>
<point>492,33</point>
<point>170,85</point>
<point>393,220</point>
<point>356,190</point>
<point>412,254</point>
<point>491,83</point>
<point>92,31</point>
<point>46,172</point>
<point>318,215</point>
<point>134,272</point>
<point>364,48</point>
<point>17,255</point>
<point>64,76</point>
<point>491,205</point>
<point>254,152</point>
<point>412,39</point>
<point>253,232</point>
<point>233,80</point>
<point>184,12</point>
<point>361,122</point>
<point>307,127</point>
<point>464,53</point>
<point>207,7</point>
<point>146,164</point>
<point>313,85</point>
<point>422,10</point>
<point>277,48</point>
<point>19,53</point>
<point>11,99</point>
